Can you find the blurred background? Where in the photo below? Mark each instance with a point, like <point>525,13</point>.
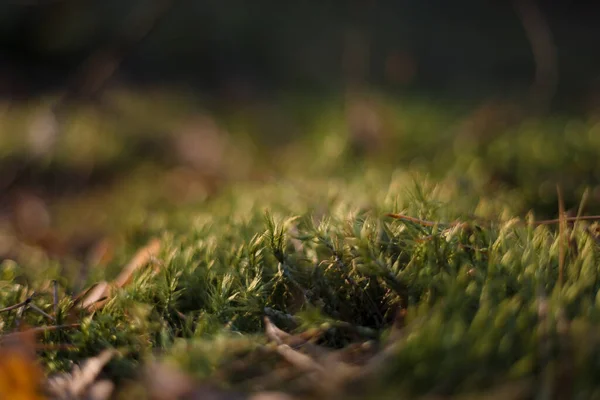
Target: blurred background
<point>236,51</point>
<point>110,105</point>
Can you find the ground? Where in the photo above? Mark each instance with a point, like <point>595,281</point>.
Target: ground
<point>317,249</point>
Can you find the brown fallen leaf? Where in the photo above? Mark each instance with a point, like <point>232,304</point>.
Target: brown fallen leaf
<point>100,390</point>
<point>20,374</point>
<point>164,382</point>
<point>270,396</point>
<point>299,360</point>
<point>81,382</point>
<point>328,371</point>
<point>95,297</point>
<point>294,341</point>
<point>274,333</point>
<point>96,294</point>
<point>139,260</point>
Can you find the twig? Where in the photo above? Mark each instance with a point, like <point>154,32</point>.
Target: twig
<point>18,305</point>
<point>27,303</point>
<point>564,220</point>
<point>555,221</point>
<point>562,227</point>
<point>55,296</point>
<point>40,311</point>
<point>569,219</point>
<point>582,205</point>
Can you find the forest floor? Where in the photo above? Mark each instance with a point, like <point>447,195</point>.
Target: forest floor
<point>318,249</point>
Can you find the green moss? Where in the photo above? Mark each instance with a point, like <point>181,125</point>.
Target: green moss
<point>314,249</point>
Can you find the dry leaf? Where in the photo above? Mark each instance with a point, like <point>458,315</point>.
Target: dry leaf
<point>326,370</point>
<point>296,341</point>
<point>271,396</point>
<point>281,337</point>
<point>139,260</point>
<point>165,383</point>
<point>299,360</point>
<point>274,333</point>
<point>20,375</point>
<point>101,390</point>
<point>96,297</point>
<point>80,383</point>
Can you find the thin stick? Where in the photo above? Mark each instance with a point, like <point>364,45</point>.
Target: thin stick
<point>568,219</point>
<point>423,222</point>
<point>42,312</point>
<point>55,296</point>
<point>582,205</point>
<point>448,226</point>
<point>562,227</point>
<point>18,305</point>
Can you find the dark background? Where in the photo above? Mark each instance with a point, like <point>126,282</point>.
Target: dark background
<point>236,49</point>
